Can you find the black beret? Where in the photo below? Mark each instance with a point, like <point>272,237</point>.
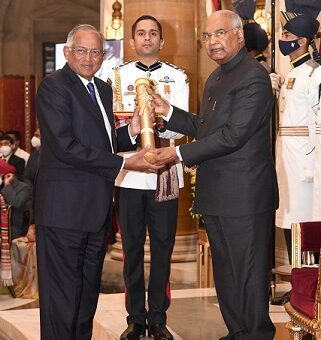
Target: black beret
<point>255,37</point>
<point>303,26</point>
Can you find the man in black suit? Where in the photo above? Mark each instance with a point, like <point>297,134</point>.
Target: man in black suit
<point>74,185</point>
<point>236,189</point>
<point>7,154</point>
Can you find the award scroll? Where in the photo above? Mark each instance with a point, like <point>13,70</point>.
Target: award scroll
<point>143,102</point>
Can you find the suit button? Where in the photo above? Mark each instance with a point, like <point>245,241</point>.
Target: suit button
<point>202,120</point>
<point>218,78</point>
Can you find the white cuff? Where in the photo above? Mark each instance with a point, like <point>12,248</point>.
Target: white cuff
<point>169,115</point>
<point>178,153</point>
<point>133,139</point>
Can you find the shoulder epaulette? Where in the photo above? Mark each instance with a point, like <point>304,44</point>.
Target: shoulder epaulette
<point>312,63</point>
<point>123,64</point>
<point>109,82</point>
<point>175,67</point>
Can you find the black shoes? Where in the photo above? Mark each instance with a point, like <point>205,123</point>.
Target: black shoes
<point>282,300</point>
<point>159,332</point>
<point>133,332</point>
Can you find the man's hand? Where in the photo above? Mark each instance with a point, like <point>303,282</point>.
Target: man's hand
<point>134,127</point>
<point>138,163</point>
<point>160,105</point>
<point>163,156</point>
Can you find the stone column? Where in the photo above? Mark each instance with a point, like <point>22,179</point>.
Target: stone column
<point>178,19</point>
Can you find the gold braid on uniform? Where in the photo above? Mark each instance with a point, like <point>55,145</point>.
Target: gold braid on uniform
<point>119,97</point>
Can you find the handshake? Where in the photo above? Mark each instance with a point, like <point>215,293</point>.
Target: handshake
<point>150,160</point>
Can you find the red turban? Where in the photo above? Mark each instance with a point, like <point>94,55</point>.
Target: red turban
<point>6,168</point>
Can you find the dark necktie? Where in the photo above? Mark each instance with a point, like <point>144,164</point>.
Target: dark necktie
<point>92,93</point>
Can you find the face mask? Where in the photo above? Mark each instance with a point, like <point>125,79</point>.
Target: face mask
<point>5,150</point>
<point>35,142</point>
<point>287,47</point>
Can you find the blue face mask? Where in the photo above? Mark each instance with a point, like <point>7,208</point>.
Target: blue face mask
<point>287,47</point>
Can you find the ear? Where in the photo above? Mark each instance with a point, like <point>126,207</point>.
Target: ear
<point>240,34</point>
<point>161,44</point>
<point>66,52</point>
<point>303,41</point>
<point>132,43</point>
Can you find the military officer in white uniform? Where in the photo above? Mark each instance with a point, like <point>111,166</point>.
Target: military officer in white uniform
<point>136,192</point>
<point>295,148</point>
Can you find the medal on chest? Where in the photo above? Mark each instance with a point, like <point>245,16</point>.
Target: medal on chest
<point>290,83</point>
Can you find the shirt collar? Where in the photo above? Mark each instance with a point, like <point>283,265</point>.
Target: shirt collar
<point>150,68</point>
<point>301,60</point>
<point>260,57</point>
<point>234,61</point>
<point>86,81</point>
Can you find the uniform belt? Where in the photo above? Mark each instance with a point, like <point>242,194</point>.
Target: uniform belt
<point>293,131</point>
<point>318,129</point>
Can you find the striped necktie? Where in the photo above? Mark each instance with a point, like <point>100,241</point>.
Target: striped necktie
<point>92,93</point>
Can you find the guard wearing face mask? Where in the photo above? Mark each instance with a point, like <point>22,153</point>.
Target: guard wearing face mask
<point>298,102</point>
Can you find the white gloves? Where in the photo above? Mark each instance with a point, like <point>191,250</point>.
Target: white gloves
<point>275,82</point>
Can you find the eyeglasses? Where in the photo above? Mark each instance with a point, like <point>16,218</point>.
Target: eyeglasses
<point>82,52</point>
<point>220,34</point>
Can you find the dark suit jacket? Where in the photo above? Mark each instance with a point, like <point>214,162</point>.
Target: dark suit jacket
<point>19,163</point>
<point>236,174</point>
<point>31,168</point>
<point>77,169</point>
<point>30,177</point>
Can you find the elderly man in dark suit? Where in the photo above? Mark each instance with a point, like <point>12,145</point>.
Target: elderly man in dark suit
<point>74,185</point>
<point>236,189</point>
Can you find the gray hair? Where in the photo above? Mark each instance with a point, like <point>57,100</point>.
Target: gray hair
<point>83,27</point>
<point>236,21</point>
<point>234,17</point>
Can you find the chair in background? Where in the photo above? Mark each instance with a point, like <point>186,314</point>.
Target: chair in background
<point>304,307</point>
<point>204,260</point>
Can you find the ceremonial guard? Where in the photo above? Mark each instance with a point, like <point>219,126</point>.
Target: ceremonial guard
<point>148,199</point>
<point>295,146</point>
<point>256,42</point>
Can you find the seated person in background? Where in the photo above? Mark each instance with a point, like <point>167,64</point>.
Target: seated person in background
<point>16,194</point>
<point>16,137</point>
<point>24,265</point>
<point>6,151</point>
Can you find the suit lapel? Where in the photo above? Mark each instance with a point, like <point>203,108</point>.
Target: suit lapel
<point>84,98</point>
